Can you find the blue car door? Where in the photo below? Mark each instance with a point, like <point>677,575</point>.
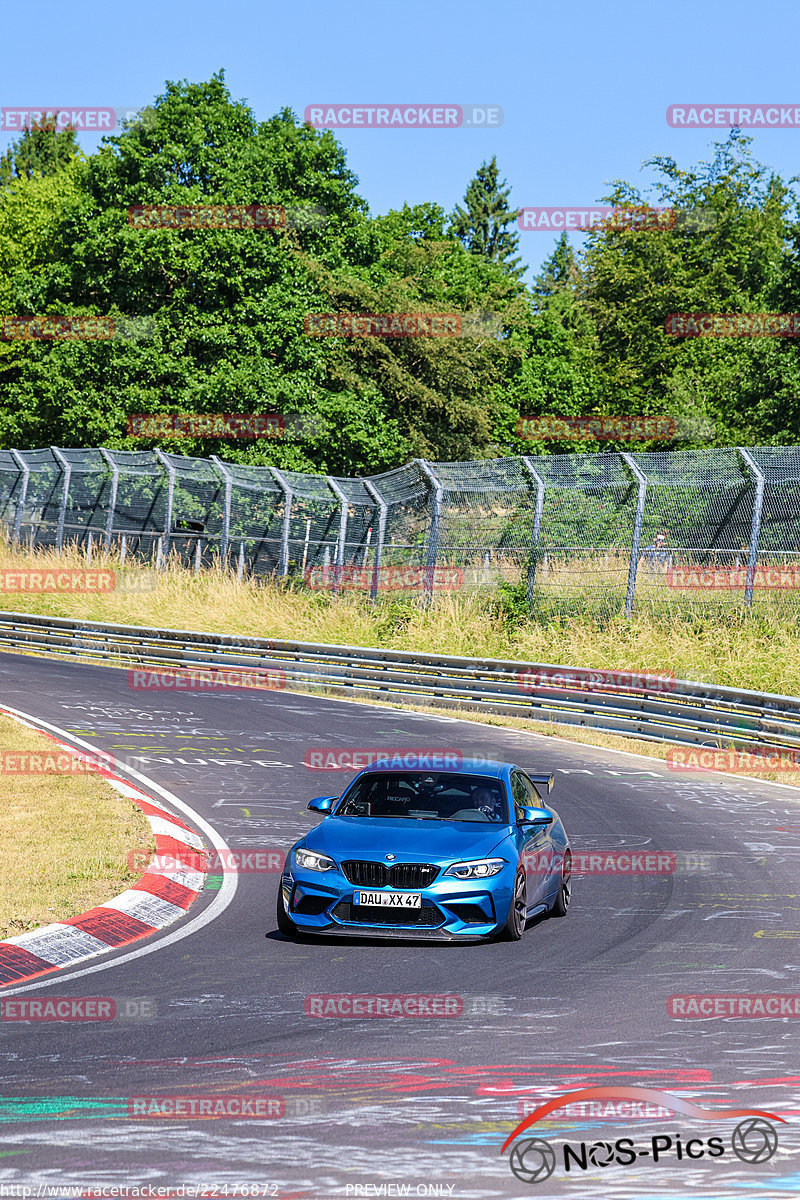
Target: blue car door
<point>534,844</point>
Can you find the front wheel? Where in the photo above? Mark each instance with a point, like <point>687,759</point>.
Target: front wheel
<point>286,925</point>
<point>564,894</point>
<point>514,927</point>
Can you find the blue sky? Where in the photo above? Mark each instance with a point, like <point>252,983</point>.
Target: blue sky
<point>584,86</point>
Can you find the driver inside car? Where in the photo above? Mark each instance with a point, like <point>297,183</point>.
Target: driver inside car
<point>487,801</point>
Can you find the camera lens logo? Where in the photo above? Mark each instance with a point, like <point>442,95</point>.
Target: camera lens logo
<point>601,1154</point>
<point>754,1141</point>
<point>533,1161</point>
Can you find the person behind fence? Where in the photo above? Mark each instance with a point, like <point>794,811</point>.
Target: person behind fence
<point>656,555</point>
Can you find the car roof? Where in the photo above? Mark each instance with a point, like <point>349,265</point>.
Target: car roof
<point>469,766</point>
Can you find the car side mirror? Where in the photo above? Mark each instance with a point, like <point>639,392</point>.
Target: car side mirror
<point>322,804</point>
<point>536,816</point>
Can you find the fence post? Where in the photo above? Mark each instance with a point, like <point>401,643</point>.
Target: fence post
<point>383,509</point>
<point>537,525</point>
<point>755,527</point>
<point>26,474</point>
<point>288,494</point>
<point>435,503</point>
<point>112,504</point>
<point>66,469</point>
<point>305,547</point>
<point>168,467</point>
<point>340,548</point>
<point>224,537</point>
<point>641,479</point>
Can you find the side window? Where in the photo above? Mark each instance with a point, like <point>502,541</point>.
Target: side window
<point>519,793</point>
<point>533,800</point>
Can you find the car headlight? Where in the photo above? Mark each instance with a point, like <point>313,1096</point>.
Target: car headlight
<point>312,861</point>
<point>479,868</point>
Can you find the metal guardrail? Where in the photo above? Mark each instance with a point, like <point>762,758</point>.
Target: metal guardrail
<point>698,714</point>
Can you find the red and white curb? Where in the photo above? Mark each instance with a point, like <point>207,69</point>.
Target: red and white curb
<point>160,897</point>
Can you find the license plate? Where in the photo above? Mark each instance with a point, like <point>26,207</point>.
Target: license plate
<point>389,899</point>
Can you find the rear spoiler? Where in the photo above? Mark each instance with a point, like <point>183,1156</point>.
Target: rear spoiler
<point>543,783</point>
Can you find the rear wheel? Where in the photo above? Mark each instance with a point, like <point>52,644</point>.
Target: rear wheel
<point>514,927</point>
<point>564,894</point>
<point>286,925</point>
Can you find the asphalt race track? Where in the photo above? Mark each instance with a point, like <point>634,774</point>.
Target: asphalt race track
<point>369,1105</point>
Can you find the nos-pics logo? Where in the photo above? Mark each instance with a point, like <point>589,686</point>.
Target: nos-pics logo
<point>533,1160</point>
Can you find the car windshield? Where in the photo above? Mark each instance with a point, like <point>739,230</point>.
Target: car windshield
<point>425,796</point>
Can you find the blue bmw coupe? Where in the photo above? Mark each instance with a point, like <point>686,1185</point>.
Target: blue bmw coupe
<point>442,855</point>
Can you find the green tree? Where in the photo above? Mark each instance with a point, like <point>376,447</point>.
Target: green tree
<point>559,271</point>
<point>482,225</point>
<point>221,312</point>
<point>727,253</point>
<point>225,309</point>
<point>552,371</point>
<point>44,149</point>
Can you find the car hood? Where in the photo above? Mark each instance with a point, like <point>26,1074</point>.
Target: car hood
<point>410,841</point>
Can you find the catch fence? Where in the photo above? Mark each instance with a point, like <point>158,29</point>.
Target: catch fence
<point>581,532</point>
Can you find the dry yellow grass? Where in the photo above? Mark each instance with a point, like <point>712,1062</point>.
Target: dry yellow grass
<point>65,838</point>
<point>759,652</point>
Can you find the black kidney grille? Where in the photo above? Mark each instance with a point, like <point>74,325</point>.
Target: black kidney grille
<point>366,874</point>
<point>400,875</point>
<point>409,875</point>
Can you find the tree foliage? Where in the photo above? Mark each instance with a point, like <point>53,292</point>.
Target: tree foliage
<point>482,224</point>
<point>215,317</point>
<point>42,150</point>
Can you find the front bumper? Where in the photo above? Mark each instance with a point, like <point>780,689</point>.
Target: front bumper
<point>452,909</point>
